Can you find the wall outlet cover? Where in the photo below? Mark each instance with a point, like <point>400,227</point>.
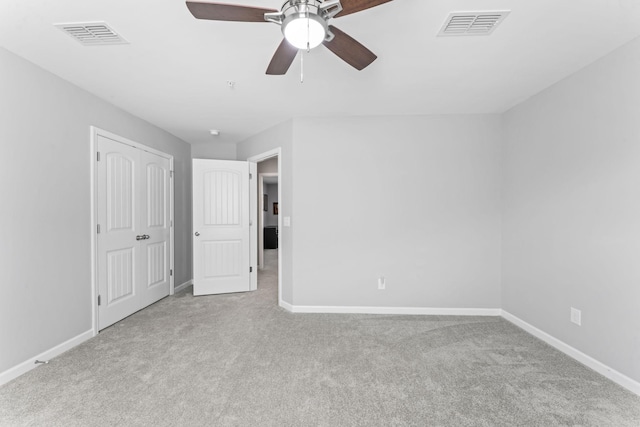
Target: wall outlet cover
<point>576,316</point>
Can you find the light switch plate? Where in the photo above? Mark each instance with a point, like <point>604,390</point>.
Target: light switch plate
<point>287,221</point>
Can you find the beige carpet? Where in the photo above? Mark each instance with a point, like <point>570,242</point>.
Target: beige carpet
<point>239,360</point>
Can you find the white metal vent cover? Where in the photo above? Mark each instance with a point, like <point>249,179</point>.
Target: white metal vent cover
<point>92,33</point>
<point>472,23</point>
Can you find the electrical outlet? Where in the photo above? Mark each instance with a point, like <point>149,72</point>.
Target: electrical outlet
<point>382,283</point>
<point>576,316</point>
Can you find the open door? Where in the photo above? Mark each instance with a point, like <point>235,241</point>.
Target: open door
<point>224,197</point>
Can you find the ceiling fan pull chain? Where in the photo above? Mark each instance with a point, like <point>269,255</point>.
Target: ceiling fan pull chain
<point>302,54</point>
<point>308,36</point>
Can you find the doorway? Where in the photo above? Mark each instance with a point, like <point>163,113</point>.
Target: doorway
<point>269,188</point>
<point>267,213</point>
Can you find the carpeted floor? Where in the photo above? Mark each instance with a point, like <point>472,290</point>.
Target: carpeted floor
<point>239,360</point>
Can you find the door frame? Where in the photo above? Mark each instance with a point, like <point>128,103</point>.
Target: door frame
<point>276,152</point>
<point>93,143</point>
<point>261,213</point>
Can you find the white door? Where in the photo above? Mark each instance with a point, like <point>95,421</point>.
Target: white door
<point>155,225</point>
<point>133,210</point>
<point>224,214</point>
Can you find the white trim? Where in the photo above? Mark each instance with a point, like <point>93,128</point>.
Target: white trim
<point>276,152</point>
<point>608,372</point>
<point>93,143</point>
<point>94,221</point>
<point>286,306</point>
<point>179,288</point>
<point>126,141</point>
<point>172,218</point>
<point>266,155</point>
<point>253,225</point>
<point>29,364</point>
<point>392,310</point>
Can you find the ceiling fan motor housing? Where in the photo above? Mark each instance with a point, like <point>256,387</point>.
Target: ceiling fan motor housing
<point>293,12</point>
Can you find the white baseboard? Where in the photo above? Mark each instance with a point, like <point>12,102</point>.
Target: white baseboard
<point>182,286</point>
<point>589,361</point>
<point>393,310</point>
<point>29,364</point>
<point>285,305</point>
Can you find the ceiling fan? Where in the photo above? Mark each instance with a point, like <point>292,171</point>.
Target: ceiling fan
<point>305,25</point>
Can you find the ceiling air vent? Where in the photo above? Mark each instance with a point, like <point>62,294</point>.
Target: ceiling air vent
<point>92,33</point>
<point>472,23</point>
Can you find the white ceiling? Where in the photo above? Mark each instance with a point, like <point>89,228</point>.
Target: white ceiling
<point>175,71</point>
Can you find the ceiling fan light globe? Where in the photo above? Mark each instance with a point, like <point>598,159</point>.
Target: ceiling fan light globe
<point>304,32</point>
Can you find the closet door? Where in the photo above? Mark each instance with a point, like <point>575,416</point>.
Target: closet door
<point>155,226</point>
<point>133,213</point>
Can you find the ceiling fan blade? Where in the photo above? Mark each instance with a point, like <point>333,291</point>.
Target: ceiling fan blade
<point>351,51</point>
<point>282,59</point>
<point>353,6</point>
<point>227,12</point>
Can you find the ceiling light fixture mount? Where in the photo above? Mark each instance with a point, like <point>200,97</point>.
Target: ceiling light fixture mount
<point>304,22</point>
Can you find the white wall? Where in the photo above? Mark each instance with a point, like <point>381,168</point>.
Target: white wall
<point>571,235</point>
<point>45,297</point>
<point>414,199</point>
<point>214,150</point>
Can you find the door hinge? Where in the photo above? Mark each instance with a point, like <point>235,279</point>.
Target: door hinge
<point>99,300</point>
<point>250,175</point>
<point>171,223</point>
<point>170,272</point>
<point>97,156</point>
<point>250,269</point>
<point>170,174</point>
<point>98,228</point>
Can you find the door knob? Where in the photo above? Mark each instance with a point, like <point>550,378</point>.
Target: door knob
<point>140,237</point>
<point>146,236</point>
<point>197,234</point>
